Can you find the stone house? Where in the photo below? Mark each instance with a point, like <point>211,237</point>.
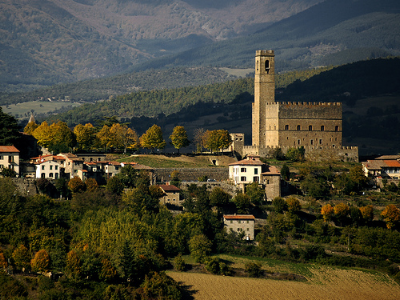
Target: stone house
<point>171,195</point>
<point>9,158</point>
<point>241,224</point>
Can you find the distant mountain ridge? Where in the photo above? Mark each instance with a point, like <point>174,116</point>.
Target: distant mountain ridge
<point>43,42</point>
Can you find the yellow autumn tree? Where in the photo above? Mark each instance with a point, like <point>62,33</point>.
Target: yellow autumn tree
<point>3,261</point>
<point>341,211</point>
<point>104,137</point>
<point>293,204</point>
<point>367,213</point>
<point>179,138</point>
<point>108,272</point>
<point>30,128</point>
<point>76,185</point>
<point>391,215</point>
<point>43,135</point>
<point>73,266</point>
<point>123,137</point>
<point>85,136</point>
<point>153,138</point>
<point>41,261</point>
<point>327,212</point>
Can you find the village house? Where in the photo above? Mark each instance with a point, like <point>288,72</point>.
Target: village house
<point>241,224</point>
<point>9,158</point>
<point>386,167</point>
<point>171,195</point>
<point>252,169</point>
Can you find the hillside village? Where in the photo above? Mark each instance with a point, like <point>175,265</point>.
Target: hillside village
<point>295,193</point>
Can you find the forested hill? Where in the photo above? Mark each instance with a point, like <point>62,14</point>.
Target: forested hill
<point>108,87</point>
<point>348,83</point>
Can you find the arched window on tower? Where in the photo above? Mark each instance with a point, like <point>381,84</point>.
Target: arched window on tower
<point>322,128</point>
<point>286,127</point>
<point>310,128</point>
<point>298,127</point>
<point>336,128</point>
<point>267,66</point>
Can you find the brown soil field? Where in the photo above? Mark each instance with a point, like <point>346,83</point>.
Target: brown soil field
<point>323,283</point>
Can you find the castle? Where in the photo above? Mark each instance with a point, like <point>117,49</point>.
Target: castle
<point>315,126</point>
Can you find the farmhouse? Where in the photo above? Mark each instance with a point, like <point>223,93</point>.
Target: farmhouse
<point>241,224</point>
<point>171,195</point>
<point>383,167</point>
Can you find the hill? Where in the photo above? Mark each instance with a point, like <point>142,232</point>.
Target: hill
<point>44,42</point>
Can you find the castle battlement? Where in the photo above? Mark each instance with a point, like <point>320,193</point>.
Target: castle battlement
<point>305,103</point>
<point>264,52</point>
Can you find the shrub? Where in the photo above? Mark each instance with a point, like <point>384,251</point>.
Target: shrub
<point>254,269</point>
<point>179,263</point>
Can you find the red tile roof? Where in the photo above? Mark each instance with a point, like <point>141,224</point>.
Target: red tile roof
<point>392,163</point>
<point>169,188</point>
<point>8,149</point>
<point>239,217</point>
<point>248,162</point>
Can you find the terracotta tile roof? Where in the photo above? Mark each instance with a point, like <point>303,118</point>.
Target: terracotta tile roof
<point>248,162</point>
<point>169,188</point>
<point>271,170</point>
<point>388,157</point>
<point>392,163</point>
<point>8,149</point>
<point>239,217</point>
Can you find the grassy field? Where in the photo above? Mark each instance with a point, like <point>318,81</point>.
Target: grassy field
<point>183,161</point>
<point>323,282</point>
<point>23,110</point>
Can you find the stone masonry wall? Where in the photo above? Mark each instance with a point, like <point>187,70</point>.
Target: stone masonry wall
<point>192,174</point>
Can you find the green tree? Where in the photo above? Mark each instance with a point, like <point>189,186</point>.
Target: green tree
<point>153,138</point>
<point>91,185</point>
<point>341,211</point>
<point>217,139</point>
<point>179,138</point>
<point>85,136</point>
<point>285,172</point>
<point>256,193</point>
<point>243,203</point>
<point>357,175</point>
<point>295,154</point>
<point>279,204</point>
<point>200,247</point>
<point>115,185</point>
<point>315,187</point>
<point>219,198</point>
<point>179,263</point>
<point>254,269</point>
<point>22,257</point>
<point>9,129</point>
<point>293,204</point>
<point>73,266</point>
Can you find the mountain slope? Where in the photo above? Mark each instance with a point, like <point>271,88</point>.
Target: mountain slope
<point>332,32</point>
<point>43,42</point>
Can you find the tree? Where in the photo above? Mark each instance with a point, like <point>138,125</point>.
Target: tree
<point>108,272</point>
<point>85,136</point>
<point>9,129</point>
<point>391,215</point>
<point>285,172</point>
<point>115,185</point>
<point>219,198</point>
<point>73,266</point>
<point>179,263</point>
<point>357,175</point>
<point>315,187</point>
<point>91,185</point>
<point>199,139</point>
<point>41,261</point>
<point>367,213</point>
<point>152,138</point>
<point>327,212</point>
<point>30,127</point>
<point>256,193</point>
<point>341,211</point>
<point>3,261</point>
<point>104,138</point>
<point>179,138</point>
<point>217,139</point>
<point>76,185</point>
<point>63,139</point>
<point>200,247</point>
<point>254,269</point>
<point>295,154</point>
<point>279,204</point>
<point>293,204</point>
<point>242,202</point>
<point>6,172</point>
<point>43,134</point>
<point>123,137</point>
<point>21,257</point>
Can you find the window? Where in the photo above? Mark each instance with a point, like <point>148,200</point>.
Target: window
<point>42,167</point>
<point>243,170</point>
<point>116,168</point>
<point>267,66</point>
<point>239,222</point>
<point>231,221</point>
<point>56,177</point>
<point>298,127</point>
<point>320,141</point>
<point>255,171</point>
<point>1,157</point>
<point>51,167</point>
<point>310,128</point>
<point>322,128</point>
<point>243,178</point>
<point>336,128</point>
<point>286,127</point>
<point>298,142</point>
<point>255,179</point>
<point>248,229</point>
<point>56,168</point>
<point>43,175</point>
<point>247,221</point>
<point>312,142</point>
<point>267,181</point>
<point>51,175</point>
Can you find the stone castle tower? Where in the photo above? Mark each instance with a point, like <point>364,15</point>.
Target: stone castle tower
<point>315,126</point>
